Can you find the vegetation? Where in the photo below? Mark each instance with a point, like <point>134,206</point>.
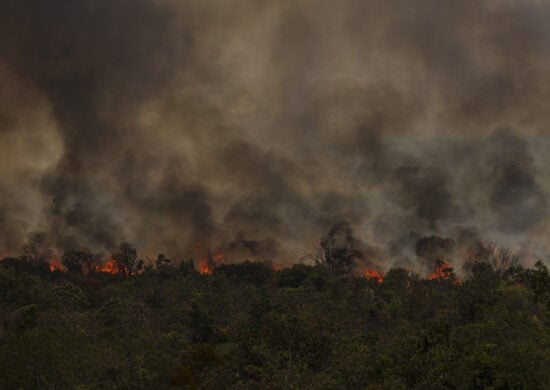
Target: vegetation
<point>248,326</point>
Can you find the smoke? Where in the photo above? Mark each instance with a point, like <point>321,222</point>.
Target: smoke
<point>256,126</point>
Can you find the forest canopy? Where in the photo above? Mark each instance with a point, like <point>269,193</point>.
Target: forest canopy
<point>255,325</point>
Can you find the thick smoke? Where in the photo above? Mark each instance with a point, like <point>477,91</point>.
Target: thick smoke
<point>255,127</point>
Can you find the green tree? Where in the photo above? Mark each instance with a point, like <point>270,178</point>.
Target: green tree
<point>539,282</point>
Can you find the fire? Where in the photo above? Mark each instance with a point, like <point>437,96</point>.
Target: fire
<point>444,271</point>
<point>55,265</point>
<point>205,268</point>
<point>109,267</point>
<point>277,267</point>
<point>373,274</point>
<point>209,262</point>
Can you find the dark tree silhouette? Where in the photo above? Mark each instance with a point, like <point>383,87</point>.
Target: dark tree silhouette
<point>491,265</point>
<point>339,250</point>
<point>77,261</point>
<point>126,259</point>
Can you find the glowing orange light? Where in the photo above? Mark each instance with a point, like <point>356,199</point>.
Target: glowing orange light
<point>373,274</point>
<point>209,262</point>
<point>109,267</point>
<point>444,271</point>
<point>204,267</point>
<point>218,258</point>
<point>55,265</point>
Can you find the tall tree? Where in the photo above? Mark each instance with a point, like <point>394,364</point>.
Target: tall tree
<point>126,259</point>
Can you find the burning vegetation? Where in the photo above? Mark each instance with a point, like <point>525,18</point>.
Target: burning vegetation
<point>444,271</point>
<point>372,274</point>
<point>340,252</point>
<point>256,321</point>
<point>55,265</point>
<point>395,134</point>
<point>209,262</point>
<point>111,266</point>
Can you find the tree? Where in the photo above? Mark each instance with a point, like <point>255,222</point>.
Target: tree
<point>77,261</point>
<point>249,272</point>
<point>491,266</point>
<point>126,259</point>
<point>162,261</point>
<point>339,250</point>
<point>539,282</point>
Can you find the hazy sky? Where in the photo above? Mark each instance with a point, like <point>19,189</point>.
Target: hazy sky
<point>255,126</point>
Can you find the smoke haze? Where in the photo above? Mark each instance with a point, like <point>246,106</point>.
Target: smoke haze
<point>256,126</point>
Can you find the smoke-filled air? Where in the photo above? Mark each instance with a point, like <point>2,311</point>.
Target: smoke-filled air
<point>260,129</point>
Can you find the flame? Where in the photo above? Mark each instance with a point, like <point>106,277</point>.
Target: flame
<point>209,262</point>
<point>277,267</point>
<point>55,265</point>
<point>109,267</point>
<point>205,268</point>
<point>444,271</point>
<point>373,274</point>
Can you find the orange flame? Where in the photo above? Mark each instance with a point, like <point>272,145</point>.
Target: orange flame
<point>373,274</point>
<point>109,267</point>
<point>444,271</point>
<point>208,263</point>
<point>55,265</point>
<point>205,268</point>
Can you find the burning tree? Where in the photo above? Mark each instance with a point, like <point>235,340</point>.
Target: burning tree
<point>126,260</point>
<point>373,274</point>
<point>338,250</point>
<point>444,271</point>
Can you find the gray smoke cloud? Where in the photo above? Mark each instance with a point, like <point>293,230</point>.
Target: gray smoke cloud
<point>256,126</point>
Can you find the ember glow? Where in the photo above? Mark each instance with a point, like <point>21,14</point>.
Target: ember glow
<point>205,268</point>
<point>109,267</point>
<point>56,265</point>
<point>209,262</point>
<point>444,271</point>
<point>373,274</point>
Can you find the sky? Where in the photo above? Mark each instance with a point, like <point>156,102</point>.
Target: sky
<point>255,127</point>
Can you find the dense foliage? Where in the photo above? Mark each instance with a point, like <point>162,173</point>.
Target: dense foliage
<point>249,326</point>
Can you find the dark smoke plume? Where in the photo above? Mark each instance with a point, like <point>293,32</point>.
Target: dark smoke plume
<point>255,127</point>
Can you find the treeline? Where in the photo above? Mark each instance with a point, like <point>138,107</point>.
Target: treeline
<point>249,326</point>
